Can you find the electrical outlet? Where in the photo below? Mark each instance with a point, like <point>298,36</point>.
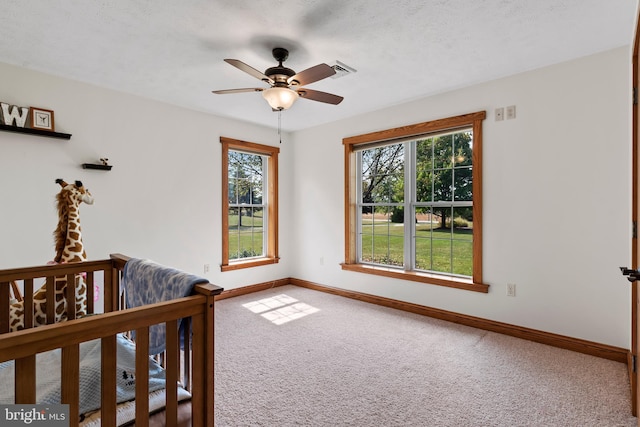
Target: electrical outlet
<point>206,268</point>
<point>511,112</point>
<point>511,289</point>
<point>499,114</point>
<point>321,260</point>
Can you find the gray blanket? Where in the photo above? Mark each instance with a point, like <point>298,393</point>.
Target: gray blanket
<point>146,282</point>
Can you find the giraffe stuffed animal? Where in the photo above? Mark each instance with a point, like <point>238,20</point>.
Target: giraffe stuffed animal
<point>69,248</point>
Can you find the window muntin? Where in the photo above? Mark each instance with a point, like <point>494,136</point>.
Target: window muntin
<point>249,205</point>
<point>442,164</point>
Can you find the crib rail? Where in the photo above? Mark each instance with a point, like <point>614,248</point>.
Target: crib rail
<point>30,278</point>
<point>22,346</point>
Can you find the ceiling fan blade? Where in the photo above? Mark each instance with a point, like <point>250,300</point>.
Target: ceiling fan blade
<point>310,75</point>
<point>249,70</point>
<point>248,89</point>
<point>316,95</point>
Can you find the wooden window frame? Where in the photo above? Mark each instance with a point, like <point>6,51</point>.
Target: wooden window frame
<point>271,256</point>
<point>351,144</point>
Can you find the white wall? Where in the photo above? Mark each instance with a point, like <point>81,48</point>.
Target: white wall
<point>556,199</point>
<point>160,201</point>
<point>556,191</point>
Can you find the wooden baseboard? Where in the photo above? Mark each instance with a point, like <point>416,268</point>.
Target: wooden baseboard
<point>568,343</point>
<point>251,289</point>
<point>582,346</point>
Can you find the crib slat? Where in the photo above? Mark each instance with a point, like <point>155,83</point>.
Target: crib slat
<point>4,312</point>
<point>172,367</point>
<point>198,374</point>
<point>27,303</point>
<point>71,296</point>
<point>90,292</point>
<point>71,381</point>
<point>110,282</point>
<point>208,338</point>
<point>109,372</point>
<point>25,379</point>
<point>142,377</point>
<point>51,299</point>
<point>186,369</point>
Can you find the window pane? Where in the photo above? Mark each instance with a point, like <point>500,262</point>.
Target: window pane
<point>443,151</point>
<point>386,189</point>
<point>382,241</point>
<point>462,245</point>
<point>423,236</point>
<point>256,195</point>
<point>463,257</point>
<point>243,189</point>
<point>234,232</point>
<point>366,234</point>
<point>442,238</point>
<point>232,189</point>
<point>245,178</point>
<point>388,242</point>
<point>463,184</point>
<point>442,185</point>
<point>441,250</point>
<point>463,149</point>
<point>369,221</point>
<point>383,174</point>
<point>424,170</point>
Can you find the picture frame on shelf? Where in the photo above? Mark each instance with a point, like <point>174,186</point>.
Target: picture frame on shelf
<point>42,119</point>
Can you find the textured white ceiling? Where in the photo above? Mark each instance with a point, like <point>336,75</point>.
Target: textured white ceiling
<point>173,51</point>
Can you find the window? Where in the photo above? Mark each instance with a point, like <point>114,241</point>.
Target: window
<point>250,204</point>
<point>414,202</point>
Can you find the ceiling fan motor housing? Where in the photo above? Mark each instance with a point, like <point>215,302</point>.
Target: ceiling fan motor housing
<point>280,74</point>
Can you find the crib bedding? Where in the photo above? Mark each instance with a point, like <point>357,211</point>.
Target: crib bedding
<point>126,411</point>
<point>48,376</point>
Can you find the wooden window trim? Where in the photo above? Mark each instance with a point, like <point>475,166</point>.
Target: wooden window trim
<point>351,144</point>
<point>271,152</point>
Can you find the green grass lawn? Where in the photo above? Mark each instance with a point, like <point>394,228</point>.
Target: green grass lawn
<point>245,240</point>
<point>436,249</point>
<point>383,242</point>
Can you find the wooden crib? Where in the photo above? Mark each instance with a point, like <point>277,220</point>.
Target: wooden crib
<point>191,368</point>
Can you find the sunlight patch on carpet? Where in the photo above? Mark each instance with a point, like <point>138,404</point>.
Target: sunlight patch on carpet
<point>280,308</point>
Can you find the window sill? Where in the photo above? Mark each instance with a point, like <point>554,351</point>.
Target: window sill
<point>451,282</point>
<point>248,264</point>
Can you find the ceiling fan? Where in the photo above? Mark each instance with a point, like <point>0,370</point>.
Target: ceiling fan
<point>286,84</point>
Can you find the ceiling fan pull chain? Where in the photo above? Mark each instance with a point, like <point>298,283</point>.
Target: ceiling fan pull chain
<point>280,125</point>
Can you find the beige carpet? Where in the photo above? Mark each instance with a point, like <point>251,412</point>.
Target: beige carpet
<point>291,356</point>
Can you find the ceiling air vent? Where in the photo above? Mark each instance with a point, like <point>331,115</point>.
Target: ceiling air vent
<point>341,70</point>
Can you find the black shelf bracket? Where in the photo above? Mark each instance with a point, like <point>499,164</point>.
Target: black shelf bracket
<point>96,166</point>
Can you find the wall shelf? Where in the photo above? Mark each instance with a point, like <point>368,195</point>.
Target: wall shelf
<point>38,132</point>
<point>96,166</point>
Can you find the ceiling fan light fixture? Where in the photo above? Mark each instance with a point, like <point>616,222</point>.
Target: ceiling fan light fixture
<point>280,98</point>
